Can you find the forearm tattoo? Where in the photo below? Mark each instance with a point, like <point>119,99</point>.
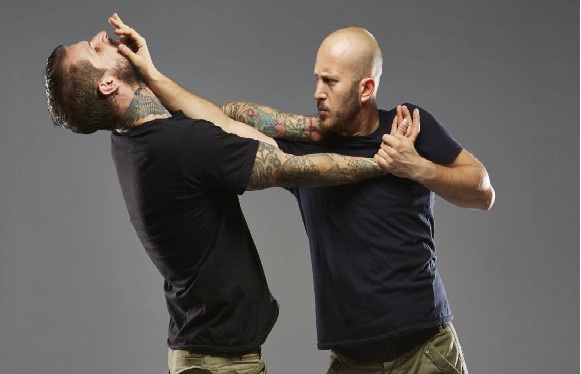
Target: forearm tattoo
<point>314,170</point>
<point>140,107</point>
<point>275,124</point>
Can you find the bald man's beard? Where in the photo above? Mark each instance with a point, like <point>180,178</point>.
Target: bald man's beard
<point>346,115</point>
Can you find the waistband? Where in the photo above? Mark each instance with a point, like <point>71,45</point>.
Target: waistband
<point>212,359</point>
<point>390,349</point>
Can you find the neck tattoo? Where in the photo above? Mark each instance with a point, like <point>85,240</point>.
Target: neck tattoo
<point>142,106</point>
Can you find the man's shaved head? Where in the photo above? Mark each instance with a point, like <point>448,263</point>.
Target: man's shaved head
<point>359,47</point>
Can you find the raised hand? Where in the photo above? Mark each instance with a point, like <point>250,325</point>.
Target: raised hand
<point>397,154</point>
<point>132,46</point>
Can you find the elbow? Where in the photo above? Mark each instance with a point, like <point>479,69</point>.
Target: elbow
<point>487,200</point>
<point>487,194</point>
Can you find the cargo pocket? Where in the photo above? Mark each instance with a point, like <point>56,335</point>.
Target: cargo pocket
<point>440,360</point>
<point>196,371</point>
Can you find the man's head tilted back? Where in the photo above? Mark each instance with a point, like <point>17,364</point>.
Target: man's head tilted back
<point>81,83</point>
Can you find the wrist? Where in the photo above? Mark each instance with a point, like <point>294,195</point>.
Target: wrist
<point>425,172</point>
<point>152,76</point>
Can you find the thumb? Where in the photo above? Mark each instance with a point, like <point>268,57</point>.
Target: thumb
<point>126,52</point>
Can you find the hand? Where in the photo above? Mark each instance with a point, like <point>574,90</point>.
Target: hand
<point>402,120</point>
<point>397,154</point>
<point>133,47</point>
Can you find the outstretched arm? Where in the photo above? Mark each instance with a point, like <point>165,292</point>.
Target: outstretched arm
<point>173,96</point>
<point>274,168</point>
<point>278,124</point>
<point>275,123</point>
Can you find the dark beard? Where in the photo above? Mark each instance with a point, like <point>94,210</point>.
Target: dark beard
<point>349,113</point>
<point>131,44</point>
<point>125,72</point>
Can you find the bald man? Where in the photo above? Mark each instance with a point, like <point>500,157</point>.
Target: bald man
<point>380,301</point>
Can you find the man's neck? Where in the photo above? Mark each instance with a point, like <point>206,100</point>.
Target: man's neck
<point>364,124</point>
<point>143,106</point>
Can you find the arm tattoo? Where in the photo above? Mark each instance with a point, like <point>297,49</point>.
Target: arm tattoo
<point>313,170</point>
<point>265,166</point>
<point>275,124</point>
<point>140,107</point>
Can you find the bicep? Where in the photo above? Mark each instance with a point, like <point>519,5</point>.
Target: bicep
<point>267,167</point>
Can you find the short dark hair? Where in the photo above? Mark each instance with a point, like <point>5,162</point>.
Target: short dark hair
<point>74,101</point>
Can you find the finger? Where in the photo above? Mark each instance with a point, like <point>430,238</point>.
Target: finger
<point>380,162</point>
<point>414,129</point>
<point>131,34</point>
<point>116,22</point>
<point>407,117</point>
<point>383,154</point>
<point>126,52</point>
<point>398,113</point>
<point>389,140</point>
<point>403,127</point>
<point>405,111</point>
<point>393,125</point>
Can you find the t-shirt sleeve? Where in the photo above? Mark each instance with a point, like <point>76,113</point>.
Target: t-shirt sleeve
<point>434,142</point>
<point>212,158</point>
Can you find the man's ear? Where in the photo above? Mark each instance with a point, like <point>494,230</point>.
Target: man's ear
<point>108,85</point>
<point>367,89</point>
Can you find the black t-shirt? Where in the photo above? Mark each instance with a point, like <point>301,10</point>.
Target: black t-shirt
<point>372,243</point>
<point>180,180</point>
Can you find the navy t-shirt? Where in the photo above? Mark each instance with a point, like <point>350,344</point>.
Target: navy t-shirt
<point>372,243</point>
<point>180,180</point>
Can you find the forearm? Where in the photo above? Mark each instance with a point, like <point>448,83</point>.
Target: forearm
<point>464,185</point>
<point>175,97</point>
<point>274,123</point>
<point>273,168</point>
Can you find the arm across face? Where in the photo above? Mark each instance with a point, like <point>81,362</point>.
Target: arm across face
<point>272,167</point>
<point>268,121</point>
<point>275,123</point>
<point>173,96</point>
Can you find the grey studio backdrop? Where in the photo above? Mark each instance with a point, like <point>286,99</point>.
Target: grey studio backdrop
<point>78,293</point>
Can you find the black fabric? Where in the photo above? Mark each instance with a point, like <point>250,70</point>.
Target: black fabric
<point>372,243</point>
<point>180,179</point>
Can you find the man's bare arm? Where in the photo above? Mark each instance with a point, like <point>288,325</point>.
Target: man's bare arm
<point>464,182</point>
<point>173,96</point>
<point>274,168</point>
<point>275,123</point>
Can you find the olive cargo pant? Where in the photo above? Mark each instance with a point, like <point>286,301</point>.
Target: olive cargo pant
<point>185,362</point>
<point>441,354</point>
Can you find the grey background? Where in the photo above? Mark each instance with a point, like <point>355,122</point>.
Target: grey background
<point>79,295</point>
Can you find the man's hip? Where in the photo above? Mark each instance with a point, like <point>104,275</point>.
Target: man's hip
<point>186,362</point>
<point>431,351</point>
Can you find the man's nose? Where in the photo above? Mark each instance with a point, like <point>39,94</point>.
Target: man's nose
<point>99,37</point>
<point>319,92</point>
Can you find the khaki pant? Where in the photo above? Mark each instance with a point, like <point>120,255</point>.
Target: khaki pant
<point>185,362</point>
<point>439,355</point>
